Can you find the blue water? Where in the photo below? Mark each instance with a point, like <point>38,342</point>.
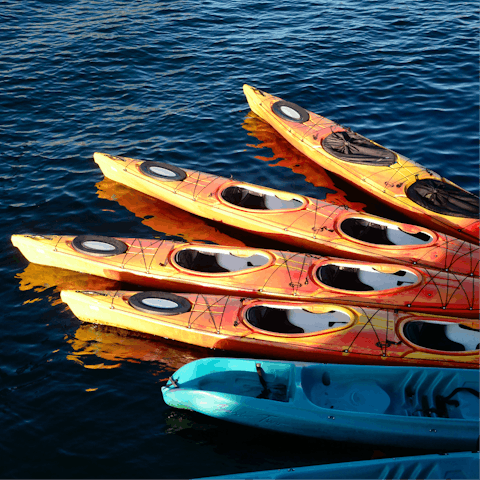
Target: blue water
<point>163,81</point>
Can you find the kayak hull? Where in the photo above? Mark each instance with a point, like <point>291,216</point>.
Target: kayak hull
<point>448,465</point>
<point>155,263</point>
<point>258,327</point>
<point>390,183</point>
<point>308,223</point>
<point>356,403</point>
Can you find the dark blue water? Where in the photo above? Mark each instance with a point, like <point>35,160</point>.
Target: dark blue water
<point>163,81</point>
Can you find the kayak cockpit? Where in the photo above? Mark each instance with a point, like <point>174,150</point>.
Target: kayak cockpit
<point>325,390</point>
<point>404,392</point>
<point>363,278</point>
<point>263,382</point>
<point>354,148</point>
<point>214,261</point>
<point>294,320</point>
<point>258,199</point>
<point>444,198</point>
<point>443,336</point>
<point>382,233</point>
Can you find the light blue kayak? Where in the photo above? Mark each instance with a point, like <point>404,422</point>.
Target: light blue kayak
<point>451,465</point>
<point>401,406</point>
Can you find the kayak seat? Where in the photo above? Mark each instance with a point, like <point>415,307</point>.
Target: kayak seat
<point>362,280</point>
<point>344,394</point>
<point>384,281</point>
<point>378,234</point>
<point>435,393</point>
<point>199,261</point>
<point>217,262</point>
<point>315,322</point>
<point>398,237</point>
<point>279,320</point>
<point>443,337</point>
<point>242,197</point>
<point>233,263</point>
<point>345,278</point>
<point>271,320</point>
<point>247,384</point>
<point>465,336</point>
<point>272,202</point>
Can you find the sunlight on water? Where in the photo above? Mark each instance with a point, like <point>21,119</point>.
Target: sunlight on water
<point>93,342</point>
<point>40,278</point>
<point>163,81</point>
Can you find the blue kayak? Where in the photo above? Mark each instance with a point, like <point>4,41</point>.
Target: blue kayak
<point>401,406</point>
<point>451,465</point>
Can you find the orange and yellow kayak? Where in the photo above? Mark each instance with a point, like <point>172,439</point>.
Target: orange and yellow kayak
<point>418,192</point>
<point>295,219</point>
<point>288,330</point>
<point>257,273</point>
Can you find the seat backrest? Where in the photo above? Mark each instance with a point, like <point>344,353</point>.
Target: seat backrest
<point>470,339</point>
<point>316,322</point>
<point>233,263</point>
<point>384,281</point>
<point>272,202</point>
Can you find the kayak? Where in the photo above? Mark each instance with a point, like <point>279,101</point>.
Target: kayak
<point>301,331</point>
<point>297,220</point>
<point>418,192</point>
<point>399,406</point>
<point>251,272</point>
<point>446,465</point>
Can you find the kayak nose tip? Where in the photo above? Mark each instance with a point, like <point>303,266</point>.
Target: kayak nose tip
<point>14,239</point>
<point>248,90</point>
<point>98,156</point>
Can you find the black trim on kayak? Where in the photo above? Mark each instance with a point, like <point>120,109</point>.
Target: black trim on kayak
<point>111,247</point>
<point>153,169</point>
<point>281,109</point>
<point>444,198</point>
<point>352,147</point>
<point>137,301</point>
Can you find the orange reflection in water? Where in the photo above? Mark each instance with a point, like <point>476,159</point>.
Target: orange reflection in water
<point>39,277</point>
<point>163,217</point>
<point>291,158</point>
<point>114,346</point>
<point>98,346</point>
